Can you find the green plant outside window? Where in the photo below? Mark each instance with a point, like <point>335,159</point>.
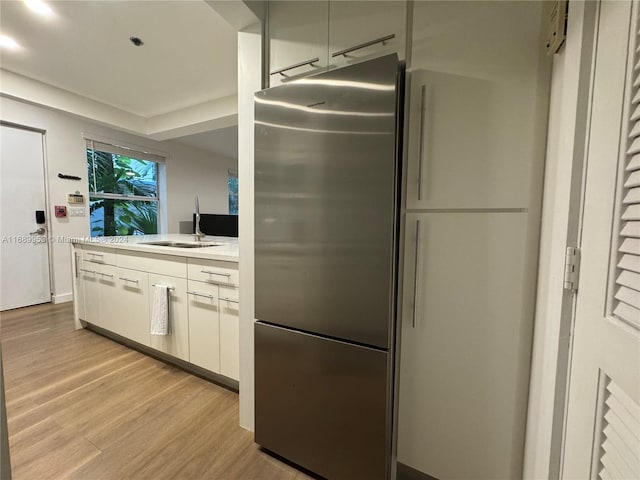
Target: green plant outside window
<point>123,194</point>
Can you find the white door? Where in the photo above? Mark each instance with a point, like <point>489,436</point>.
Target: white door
<point>24,252</point>
<point>603,415</point>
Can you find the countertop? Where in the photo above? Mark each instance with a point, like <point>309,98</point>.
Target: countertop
<point>227,252</point>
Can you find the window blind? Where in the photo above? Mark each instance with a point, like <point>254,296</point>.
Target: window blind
<point>124,151</point>
<point>627,293</point>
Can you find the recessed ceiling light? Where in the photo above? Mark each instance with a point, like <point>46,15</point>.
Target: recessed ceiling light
<point>39,6</point>
<point>8,42</point>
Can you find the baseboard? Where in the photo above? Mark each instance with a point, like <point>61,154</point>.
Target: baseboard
<point>405,472</point>
<point>62,298</point>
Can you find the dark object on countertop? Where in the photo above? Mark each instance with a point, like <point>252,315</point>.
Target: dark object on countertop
<point>68,177</point>
<point>217,224</point>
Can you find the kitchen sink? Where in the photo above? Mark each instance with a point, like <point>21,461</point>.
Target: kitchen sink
<point>177,244</point>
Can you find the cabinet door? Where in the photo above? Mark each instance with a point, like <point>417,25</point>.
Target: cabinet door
<point>132,306</point>
<point>357,24</point>
<point>465,352</point>
<point>110,301</point>
<point>177,342</point>
<point>229,338</point>
<point>78,283</point>
<point>297,33</point>
<point>89,280</point>
<point>475,100</point>
<point>204,325</point>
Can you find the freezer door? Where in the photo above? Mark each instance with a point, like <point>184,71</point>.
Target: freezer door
<point>325,202</point>
<point>322,403</point>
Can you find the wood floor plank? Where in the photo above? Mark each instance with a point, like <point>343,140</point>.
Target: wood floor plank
<point>81,406</point>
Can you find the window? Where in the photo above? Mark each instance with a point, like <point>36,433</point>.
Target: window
<point>232,183</point>
<point>123,190</point>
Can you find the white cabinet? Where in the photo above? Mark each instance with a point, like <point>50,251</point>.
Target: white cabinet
<point>91,288</point>
<point>204,325</point>
<point>78,282</point>
<point>229,337</point>
<point>297,34</point>
<point>301,31</point>
<point>110,307</point>
<point>177,342</point>
<point>377,28</point>
<point>465,345</point>
<point>131,305</point>
<point>114,291</point>
<point>475,92</point>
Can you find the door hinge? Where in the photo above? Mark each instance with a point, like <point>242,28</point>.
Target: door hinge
<point>571,268</point>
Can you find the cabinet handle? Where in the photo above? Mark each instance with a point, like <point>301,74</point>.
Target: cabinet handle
<point>296,65</point>
<point>128,279</point>
<point>95,254</point>
<point>75,255</point>
<point>423,95</point>
<point>87,271</point>
<point>200,295</point>
<point>382,40</point>
<point>216,273</point>
<point>168,288</point>
<point>416,276</point>
<point>105,274</point>
<point>229,300</point>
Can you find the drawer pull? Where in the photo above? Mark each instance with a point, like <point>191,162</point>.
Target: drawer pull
<point>229,300</point>
<point>200,295</point>
<point>381,40</point>
<point>295,65</point>
<point>196,294</point>
<point>209,272</point>
<point>95,254</point>
<point>168,288</point>
<point>105,274</point>
<point>87,271</point>
<point>129,279</point>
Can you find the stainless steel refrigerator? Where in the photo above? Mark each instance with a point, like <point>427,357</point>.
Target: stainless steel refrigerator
<point>327,182</point>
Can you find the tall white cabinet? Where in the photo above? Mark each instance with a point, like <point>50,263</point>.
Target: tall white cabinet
<point>476,109</point>
<point>476,103</point>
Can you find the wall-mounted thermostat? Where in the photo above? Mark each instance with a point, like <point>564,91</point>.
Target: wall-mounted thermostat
<point>60,211</point>
<point>75,198</point>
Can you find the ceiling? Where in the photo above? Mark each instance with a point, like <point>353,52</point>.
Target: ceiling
<point>223,141</point>
<point>189,55</point>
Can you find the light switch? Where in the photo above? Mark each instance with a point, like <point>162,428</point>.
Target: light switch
<point>76,211</point>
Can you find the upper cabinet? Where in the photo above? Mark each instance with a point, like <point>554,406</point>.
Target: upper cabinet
<point>475,104</point>
<point>298,38</point>
<point>363,30</point>
<point>307,37</point>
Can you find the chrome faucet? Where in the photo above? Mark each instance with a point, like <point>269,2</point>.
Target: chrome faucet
<point>198,233</point>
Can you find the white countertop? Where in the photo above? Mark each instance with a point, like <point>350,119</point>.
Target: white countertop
<point>227,252</point>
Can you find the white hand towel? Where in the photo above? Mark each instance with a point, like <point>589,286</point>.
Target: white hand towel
<point>160,313</point>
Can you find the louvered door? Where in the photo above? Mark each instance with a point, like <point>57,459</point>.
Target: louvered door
<point>603,414</point>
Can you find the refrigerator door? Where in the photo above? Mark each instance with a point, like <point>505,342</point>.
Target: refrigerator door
<point>322,403</point>
<point>325,202</point>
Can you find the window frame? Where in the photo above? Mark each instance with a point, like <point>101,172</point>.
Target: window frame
<point>133,153</point>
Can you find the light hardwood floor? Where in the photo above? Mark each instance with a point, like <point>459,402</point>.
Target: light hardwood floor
<point>81,406</point>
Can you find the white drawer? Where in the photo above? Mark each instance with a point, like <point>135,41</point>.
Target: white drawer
<point>230,294</point>
<point>213,271</point>
<point>100,255</point>
<point>171,265</point>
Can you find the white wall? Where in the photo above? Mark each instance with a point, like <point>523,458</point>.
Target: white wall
<point>249,81</point>
<point>189,171</point>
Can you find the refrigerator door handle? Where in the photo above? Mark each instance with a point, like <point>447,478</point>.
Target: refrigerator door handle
<point>416,276</point>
